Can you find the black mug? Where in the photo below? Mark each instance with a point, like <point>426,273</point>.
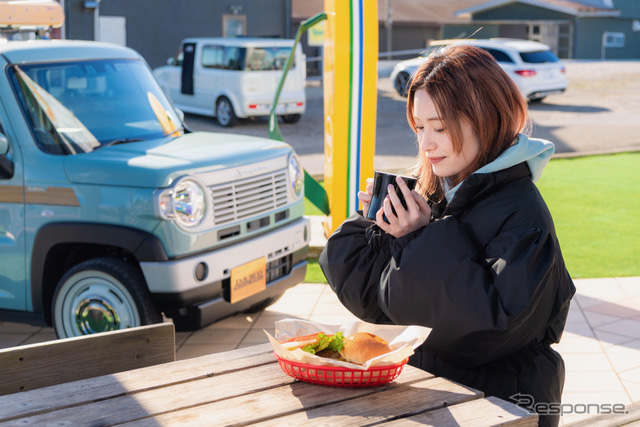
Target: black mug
<point>381,181</point>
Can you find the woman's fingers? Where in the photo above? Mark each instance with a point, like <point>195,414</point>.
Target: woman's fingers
<point>393,217</point>
<point>369,185</point>
<point>403,221</point>
<point>365,196</point>
<point>406,192</point>
<point>393,199</point>
<point>365,200</point>
<point>422,203</point>
<point>381,214</point>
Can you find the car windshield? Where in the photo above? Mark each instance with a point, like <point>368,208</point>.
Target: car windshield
<point>539,57</point>
<point>75,107</point>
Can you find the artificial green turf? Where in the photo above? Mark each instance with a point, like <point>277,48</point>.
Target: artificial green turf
<point>595,206</point>
<point>314,273</point>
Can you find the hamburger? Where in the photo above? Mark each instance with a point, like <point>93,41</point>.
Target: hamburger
<point>356,348</point>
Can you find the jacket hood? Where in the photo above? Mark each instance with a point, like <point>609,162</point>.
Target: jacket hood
<point>156,163</point>
<point>536,152</point>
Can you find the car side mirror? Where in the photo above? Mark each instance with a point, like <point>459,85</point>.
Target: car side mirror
<point>6,165</point>
<point>171,61</point>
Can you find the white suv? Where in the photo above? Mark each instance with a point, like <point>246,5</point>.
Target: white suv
<point>533,66</point>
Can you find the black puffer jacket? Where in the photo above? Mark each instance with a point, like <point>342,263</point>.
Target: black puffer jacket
<point>486,274</point>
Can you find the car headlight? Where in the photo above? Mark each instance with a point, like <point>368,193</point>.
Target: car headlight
<point>296,176</point>
<point>185,202</point>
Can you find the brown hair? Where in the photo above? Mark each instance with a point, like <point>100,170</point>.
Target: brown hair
<point>466,84</point>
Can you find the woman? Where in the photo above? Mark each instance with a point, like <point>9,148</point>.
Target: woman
<point>475,256</point>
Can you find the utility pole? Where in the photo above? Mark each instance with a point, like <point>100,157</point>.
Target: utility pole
<point>389,28</point>
<point>96,21</point>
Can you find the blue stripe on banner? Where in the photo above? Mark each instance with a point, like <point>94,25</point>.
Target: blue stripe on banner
<point>355,113</point>
<point>360,88</point>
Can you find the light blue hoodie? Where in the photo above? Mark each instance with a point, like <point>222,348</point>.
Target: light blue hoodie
<point>536,152</point>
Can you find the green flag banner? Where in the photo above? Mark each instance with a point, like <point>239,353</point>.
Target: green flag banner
<point>313,191</point>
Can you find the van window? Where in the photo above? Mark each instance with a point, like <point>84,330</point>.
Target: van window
<point>267,58</point>
<point>222,57</point>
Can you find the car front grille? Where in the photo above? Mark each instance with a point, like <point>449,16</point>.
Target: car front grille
<point>278,268</point>
<point>248,197</point>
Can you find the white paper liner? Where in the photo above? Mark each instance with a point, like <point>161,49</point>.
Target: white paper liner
<point>403,340</point>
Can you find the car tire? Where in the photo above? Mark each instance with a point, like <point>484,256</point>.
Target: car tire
<point>100,295</point>
<point>401,83</point>
<point>291,118</point>
<point>224,113</point>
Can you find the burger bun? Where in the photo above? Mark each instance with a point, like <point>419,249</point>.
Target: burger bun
<point>363,346</point>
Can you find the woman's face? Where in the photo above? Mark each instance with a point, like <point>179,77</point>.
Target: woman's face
<point>435,143</point>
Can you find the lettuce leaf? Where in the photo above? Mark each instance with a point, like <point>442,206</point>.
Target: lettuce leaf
<point>332,342</point>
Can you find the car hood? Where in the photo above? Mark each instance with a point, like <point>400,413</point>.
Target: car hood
<point>157,163</point>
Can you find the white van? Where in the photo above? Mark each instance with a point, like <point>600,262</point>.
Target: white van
<point>231,78</point>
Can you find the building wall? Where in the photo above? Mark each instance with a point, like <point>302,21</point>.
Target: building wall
<point>155,28</point>
<point>407,37</point>
<point>629,8</point>
<point>403,37</point>
<point>587,32</point>
<point>588,39</point>
<point>479,31</point>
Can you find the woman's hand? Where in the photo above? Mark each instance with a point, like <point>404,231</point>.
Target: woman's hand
<point>365,196</point>
<point>405,221</point>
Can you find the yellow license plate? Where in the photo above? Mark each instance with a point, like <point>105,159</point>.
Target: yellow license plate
<point>248,279</point>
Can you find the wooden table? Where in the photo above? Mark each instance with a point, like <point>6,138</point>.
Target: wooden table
<point>247,386</point>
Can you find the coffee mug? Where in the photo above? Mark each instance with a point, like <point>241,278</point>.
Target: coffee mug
<point>381,181</point>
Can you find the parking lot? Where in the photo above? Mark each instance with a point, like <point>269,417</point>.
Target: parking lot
<point>598,113</point>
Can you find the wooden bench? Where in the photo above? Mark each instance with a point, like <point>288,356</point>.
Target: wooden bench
<point>39,365</point>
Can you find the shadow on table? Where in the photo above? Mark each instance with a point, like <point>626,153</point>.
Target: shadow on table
<point>381,403</point>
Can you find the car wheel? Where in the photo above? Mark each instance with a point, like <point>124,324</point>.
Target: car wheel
<point>100,295</point>
<point>291,118</point>
<point>401,83</point>
<point>224,113</point>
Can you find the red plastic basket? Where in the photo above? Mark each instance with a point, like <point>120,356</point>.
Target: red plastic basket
<point>339,376</point>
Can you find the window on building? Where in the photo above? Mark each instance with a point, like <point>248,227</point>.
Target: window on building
<point>610,39</point>
<point>234,25</point>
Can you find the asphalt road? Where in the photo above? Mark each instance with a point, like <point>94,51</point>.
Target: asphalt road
<point>599,113</point>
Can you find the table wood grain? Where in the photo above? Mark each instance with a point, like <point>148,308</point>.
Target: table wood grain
<point>247,386</point>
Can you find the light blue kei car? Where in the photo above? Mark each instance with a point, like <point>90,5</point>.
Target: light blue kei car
<point>112,213</point>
